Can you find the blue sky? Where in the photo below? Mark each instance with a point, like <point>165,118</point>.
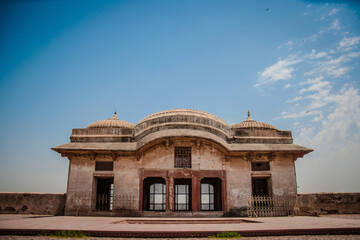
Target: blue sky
<point>65,64</point>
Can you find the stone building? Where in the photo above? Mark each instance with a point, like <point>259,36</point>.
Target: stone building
<point>177,162</point>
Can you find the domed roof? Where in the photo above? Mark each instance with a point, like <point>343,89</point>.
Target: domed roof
<point>113,122</point>
<point>189,112</point>
<point>249,123</point>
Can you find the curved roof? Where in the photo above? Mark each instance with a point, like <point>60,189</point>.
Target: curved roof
<point>189,112</point>
<point>249,123</point>
<point>113,122</point>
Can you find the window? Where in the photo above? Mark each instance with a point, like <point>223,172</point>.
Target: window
<point>207,196</point>
<point>157,197</point>
<point>182,194</point>
<point>210,199</point>
<point>260,166</point>
<point>183,157</point>
<point>104,166</point>
<point>154,195</point>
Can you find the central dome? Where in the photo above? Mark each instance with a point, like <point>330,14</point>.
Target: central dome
<point>188,112</point>
<point>185,119</point>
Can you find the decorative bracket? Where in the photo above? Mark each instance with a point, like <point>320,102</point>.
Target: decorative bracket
<point>271,156</point>
<point>297,155</point>
<point>114,156</point>
<point>249,157</point>
<point>198,143</point>
<point>93,156</point>
<point>167,144</point>
<point>66,154</point>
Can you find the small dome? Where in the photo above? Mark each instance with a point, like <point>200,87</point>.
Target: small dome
<point>113,122</point>
<point>249,123</point>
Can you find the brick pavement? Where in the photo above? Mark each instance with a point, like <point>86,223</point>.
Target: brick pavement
<point>302,237</point>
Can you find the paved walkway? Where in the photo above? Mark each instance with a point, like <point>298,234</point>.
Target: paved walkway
<point>302,237</point>
<point>112,226</point>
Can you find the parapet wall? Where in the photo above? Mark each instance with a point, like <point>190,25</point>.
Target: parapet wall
<point>32,203</point>
<point>328,203</point>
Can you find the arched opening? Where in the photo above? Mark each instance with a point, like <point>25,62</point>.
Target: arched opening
<point>210,194</point>
<point>154,194</point>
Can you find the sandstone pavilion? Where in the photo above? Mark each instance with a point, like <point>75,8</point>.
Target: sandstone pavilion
<point>181,162</point>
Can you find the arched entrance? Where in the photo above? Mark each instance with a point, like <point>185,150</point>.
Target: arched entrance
<point>154,194</point>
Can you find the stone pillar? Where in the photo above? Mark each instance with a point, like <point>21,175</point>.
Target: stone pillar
<point>223,194</point>
<point>196,193</point>
<point>141,192</point>
<point>170,195</point>
<point>167,193</point>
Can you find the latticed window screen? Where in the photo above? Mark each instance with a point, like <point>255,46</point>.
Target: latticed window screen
<point>183,157</point>
<point>157,197</point>
<point>260,166</point>
<point>207,197</point>
<point>182,197</point>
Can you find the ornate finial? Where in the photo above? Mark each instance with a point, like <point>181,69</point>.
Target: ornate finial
<point>114,117</point>
<point>248,118</point>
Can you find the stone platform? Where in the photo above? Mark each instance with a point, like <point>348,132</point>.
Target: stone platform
<point>180,227</point>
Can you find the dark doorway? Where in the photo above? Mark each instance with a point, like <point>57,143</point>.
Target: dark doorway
<point>104,194</point>
<point>183,195</point>
<point>260,186</point>
<point>210,194</point>
<point>154,194</point>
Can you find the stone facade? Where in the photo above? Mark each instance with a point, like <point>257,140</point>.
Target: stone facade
<point>177,162</point>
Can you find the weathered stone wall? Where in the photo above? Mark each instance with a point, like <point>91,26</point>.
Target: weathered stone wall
<point>238,180</point>
<point>328,203</point>
<point>32,203</point>
<point>80,186</point>
<point>283,176</point>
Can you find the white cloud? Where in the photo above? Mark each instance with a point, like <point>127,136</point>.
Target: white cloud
<point>333,12</point>
<point>333,67</point>
<point>316,86</point>
<point>349,43</point>
<point>335,25</point>
<point>311,81</point>
<point>299,114</point>
<point>325,111</point>
<point>354,54</point>
<point>282,70</point>
<point>315,55</point>
<point>288,44</point>
<point>297,98</point>
<point>336,143</point>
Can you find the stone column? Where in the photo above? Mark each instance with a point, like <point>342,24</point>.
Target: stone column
<point>170,194</point>
<point>196,193</point>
